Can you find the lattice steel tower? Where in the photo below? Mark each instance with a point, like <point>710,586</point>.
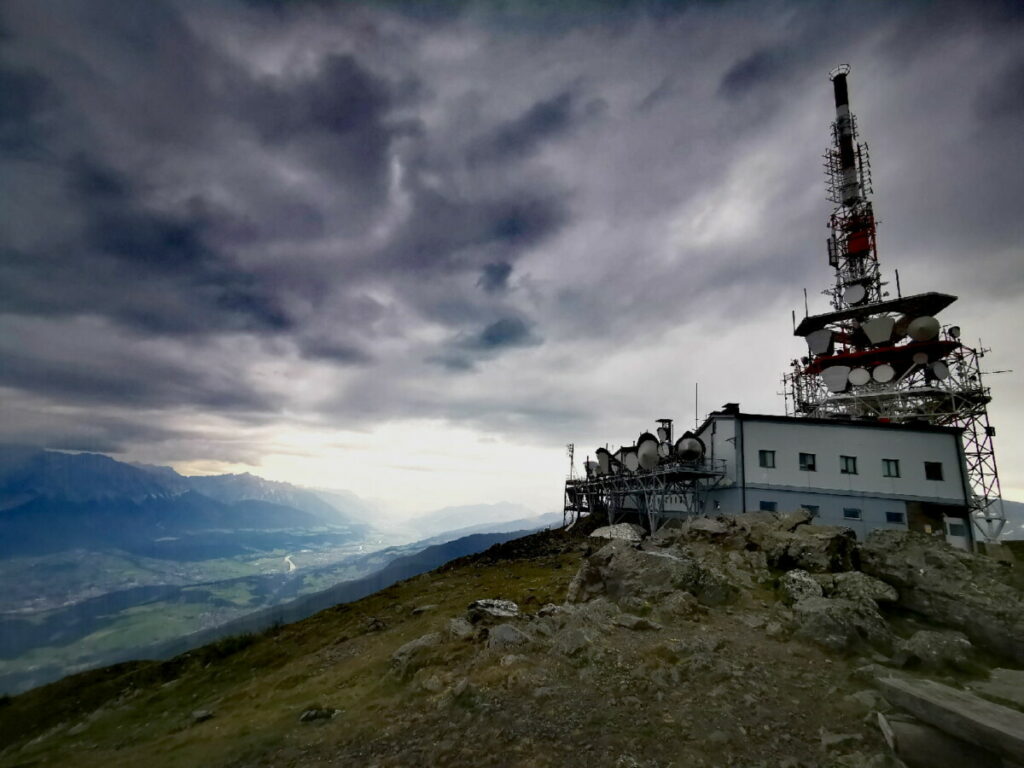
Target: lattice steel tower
<point>879,358</point>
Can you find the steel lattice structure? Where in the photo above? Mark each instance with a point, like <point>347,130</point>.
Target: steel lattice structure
<point>886,359</point>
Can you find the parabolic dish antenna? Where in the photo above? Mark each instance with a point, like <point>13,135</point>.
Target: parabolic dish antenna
<point>855,294</point>
<point>664,450</point>
<point>836,377</point>
<point>920,358</point>
<point>647,450</point>
<point>941,370</point>
<point>630,460</point>
<point>819,342</point>
<point>689,447</point>
<point>923,328</point>
<point>883,373</point>
<point>859,377</point>
<point>878,329</point>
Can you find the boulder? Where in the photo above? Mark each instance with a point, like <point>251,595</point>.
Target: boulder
<point>491,610</point>
<point>201,715</point>
<point>460,629</point>
<point>638,623</point>
<point>841,625</point>
<point>949,587</point>
<point>1005,686</point>
<point>936,651</point>
<point>505,637</point>
<point>630,532</point>
<point>571,642</point>
<point>620,571</point>
<point>414,654</point>
<point>854,585</point>
<point>797,585</point>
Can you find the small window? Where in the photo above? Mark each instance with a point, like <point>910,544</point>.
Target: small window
<point>848,465</point>
<point>807,463</point>
<point>766,459</point>
<point>933,470</point>
<point>890,467</point>
<point>769,506</point>
<point>957,529</point>
<point>896,518</point>
<point>814,509</point>
<point>851,514</point>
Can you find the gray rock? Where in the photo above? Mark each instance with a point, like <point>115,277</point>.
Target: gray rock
<point>201,715</point>
<point>813,548</point>
<point>317,713</point>
<point>841,625</point>
<point>619,571</point>
<point>490,610</point>
<point>831,742</point>
<point>950,587</point>
<point>1005,686</point>
<point>421,609</point>
<point>571,642</point>
<point>936,651</point>
<point>414,654</point>
<point>623,531</point>
<point>460,629</point>
<point>637,623</point>
<point>504,637</point>
<point>869,700</point>
<point>854,585</point>
<point>798,584</point>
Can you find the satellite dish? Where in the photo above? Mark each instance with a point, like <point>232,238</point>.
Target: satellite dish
<point>901,328</point>
<point>647,450</point>
<point>859,377</point>
<point>591,468</point>
<point>883,373</point>
<point>820,342</point>
<point>878,329</point>
<point>855,294</point>
<point>920,358</point>
<point>953,332</point>
<point>836,378</point>
<point>662,434</point>
<point>664,450</point>
<point>923,328</point>
<point>629,459</point>
<point>689,447</point>
<point>604,460</point>
<point>941,370</point>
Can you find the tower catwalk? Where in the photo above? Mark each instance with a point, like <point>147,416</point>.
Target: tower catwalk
<point>888,359</point>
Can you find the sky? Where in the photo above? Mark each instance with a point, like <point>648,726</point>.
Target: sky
<point>413,249</point>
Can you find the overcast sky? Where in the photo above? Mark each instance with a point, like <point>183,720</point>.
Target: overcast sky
<point>413,250</point>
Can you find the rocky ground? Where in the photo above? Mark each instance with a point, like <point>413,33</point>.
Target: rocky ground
<point>749,641</point>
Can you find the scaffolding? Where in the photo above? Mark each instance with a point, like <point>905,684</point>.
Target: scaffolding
<point>644,494</point>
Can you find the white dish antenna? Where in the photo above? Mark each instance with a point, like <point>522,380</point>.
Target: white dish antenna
<point>664,450</point>
<point>689,447</point>
<point>941,370</point>
<point>819,342</point>
<point>878,329</point>
<point>859,377</point>
<point>836,377</point>
<point>855,294</point>
<point>647,451</point>
<point>662,434</point>
<point>923,328</point>
<point>883,373</point>
<point>603,461</point>
<point>630,460</point>
<point>920,358</point>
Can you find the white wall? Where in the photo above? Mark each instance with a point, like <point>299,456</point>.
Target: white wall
<point>869,444</point>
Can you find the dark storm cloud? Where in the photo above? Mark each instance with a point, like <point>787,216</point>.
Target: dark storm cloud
<point>758,70</point>
<point>521,136</point>
<point>494,277</point>
<point>454,211</point>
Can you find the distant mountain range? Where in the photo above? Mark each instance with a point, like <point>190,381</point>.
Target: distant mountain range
<point>52,501</point>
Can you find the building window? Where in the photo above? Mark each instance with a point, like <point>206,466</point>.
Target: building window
<point>890,467</point>
<point>766,459</point>
<point>814,509</point>
<point>769,506</point>
<point>851,514</point>
<point>896,518</point>
<point>933,470</point>
<point>957,529</point>
<point>848,465</point>
<point>807,462</point>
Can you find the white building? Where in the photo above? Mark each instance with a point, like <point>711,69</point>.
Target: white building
<point>863,475</point>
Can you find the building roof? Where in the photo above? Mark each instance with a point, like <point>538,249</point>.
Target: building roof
<point>836,422</point>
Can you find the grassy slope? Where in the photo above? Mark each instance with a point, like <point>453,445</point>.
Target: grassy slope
<point>139,713</point>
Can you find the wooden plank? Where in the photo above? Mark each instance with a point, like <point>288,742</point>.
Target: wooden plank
<point>960,714</point>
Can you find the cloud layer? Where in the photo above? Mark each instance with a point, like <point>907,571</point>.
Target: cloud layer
<point>534,224</point>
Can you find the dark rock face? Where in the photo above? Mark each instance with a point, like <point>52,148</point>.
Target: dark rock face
<point>936,651</point>
<point>949,587</point>
<point>841,625</point>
